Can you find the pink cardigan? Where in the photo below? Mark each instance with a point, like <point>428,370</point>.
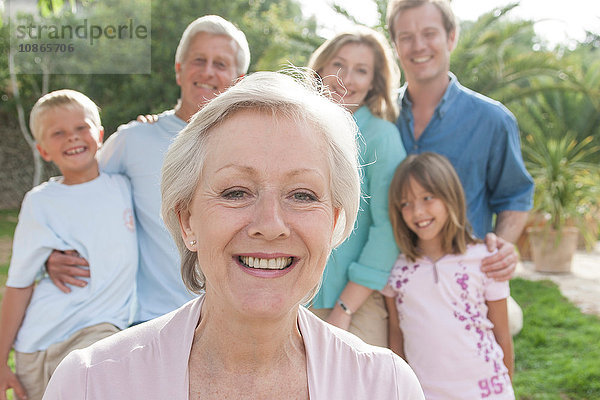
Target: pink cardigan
<point>150,361</point>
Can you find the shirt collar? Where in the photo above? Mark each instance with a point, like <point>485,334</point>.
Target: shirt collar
<point>451,91</point>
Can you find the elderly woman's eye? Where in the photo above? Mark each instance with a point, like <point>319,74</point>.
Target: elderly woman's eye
<point>235,194</point>
<point>304,196</point>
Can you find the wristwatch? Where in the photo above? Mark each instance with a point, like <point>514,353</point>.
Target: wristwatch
<point>344,307</point>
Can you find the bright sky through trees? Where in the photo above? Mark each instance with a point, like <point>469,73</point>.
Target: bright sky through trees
<point>559,21</point>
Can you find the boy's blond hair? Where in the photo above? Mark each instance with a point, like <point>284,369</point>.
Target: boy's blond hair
<point>61,98</point>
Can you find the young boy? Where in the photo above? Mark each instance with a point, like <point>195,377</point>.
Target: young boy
<point>84,211</point>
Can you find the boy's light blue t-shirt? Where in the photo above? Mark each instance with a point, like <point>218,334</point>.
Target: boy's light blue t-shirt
<point>94,218</point>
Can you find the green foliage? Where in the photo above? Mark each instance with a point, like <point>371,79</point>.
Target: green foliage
<point>496,57</point>
<point>574,105</point>
<point>555,353</point>
<point>8,223</point>
<point>50,7</point>
<point>561,143</point>
<point>556,164</point>
<point>276,31</point>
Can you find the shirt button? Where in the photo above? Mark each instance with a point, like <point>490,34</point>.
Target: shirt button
<point>415,147</point>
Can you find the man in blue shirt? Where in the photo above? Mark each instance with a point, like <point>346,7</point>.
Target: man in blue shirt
<point>478,135</point>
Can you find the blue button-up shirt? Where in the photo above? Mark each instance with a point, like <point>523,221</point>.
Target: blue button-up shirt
<point>480,137</point>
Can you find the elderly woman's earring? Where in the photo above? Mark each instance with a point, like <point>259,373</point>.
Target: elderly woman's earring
<point>193,242</point>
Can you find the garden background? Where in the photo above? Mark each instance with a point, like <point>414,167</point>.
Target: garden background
<point>553,90</point>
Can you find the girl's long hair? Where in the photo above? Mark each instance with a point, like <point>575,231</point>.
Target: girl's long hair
<point>436,175</point>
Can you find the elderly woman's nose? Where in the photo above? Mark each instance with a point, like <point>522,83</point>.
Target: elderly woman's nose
<point>268,219</point>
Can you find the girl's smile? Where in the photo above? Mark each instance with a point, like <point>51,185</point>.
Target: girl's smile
<point>425,215</point>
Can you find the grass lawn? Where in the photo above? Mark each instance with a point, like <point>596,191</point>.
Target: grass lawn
<point>557,355</point>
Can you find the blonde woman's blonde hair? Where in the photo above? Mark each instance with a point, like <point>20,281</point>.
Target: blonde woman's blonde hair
<point>284,97</point>
<point>436,175</point>
<point>61,98</point>
<point>381,99</point>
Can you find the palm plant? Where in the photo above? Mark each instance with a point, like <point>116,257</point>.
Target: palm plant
<point>565,166</point>
<point>563,174</point>
<point>495,56</point>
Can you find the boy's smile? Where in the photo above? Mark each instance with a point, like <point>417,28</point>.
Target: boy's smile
<point>70,140</point>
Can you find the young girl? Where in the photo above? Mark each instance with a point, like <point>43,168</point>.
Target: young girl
<point>447,319</point>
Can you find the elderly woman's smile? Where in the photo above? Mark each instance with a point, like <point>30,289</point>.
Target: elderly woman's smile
<point>276,263</point>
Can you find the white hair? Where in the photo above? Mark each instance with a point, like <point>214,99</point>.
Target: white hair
<point>217,26</point>
<point>283,96</point>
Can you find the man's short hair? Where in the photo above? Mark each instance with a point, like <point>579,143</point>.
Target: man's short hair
<point>395,7</point>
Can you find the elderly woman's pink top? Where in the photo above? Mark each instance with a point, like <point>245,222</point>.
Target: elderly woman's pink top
<point>150,361</point>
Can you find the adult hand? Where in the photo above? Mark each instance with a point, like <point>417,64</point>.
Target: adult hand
<point>502,265</point>
<point>8,380</point>
<point>147,119</point>
<point>64,266</point>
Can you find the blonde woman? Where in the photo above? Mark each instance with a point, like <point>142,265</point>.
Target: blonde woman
<point>359,71</point>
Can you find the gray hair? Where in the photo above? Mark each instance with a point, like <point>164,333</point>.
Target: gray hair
<point>217,26</point>
<point>61,98</point>
<point>283,96</point>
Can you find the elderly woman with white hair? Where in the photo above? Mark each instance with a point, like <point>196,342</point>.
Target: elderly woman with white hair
<point>257,190</point>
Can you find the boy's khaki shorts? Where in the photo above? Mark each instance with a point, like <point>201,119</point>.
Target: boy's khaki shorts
<point>369,322</point>
<point>35,369</point>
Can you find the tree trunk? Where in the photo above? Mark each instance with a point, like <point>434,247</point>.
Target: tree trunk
<point>37,160</point>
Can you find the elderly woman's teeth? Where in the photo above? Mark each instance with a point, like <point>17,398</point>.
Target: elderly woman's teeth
<point>266,263</point>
